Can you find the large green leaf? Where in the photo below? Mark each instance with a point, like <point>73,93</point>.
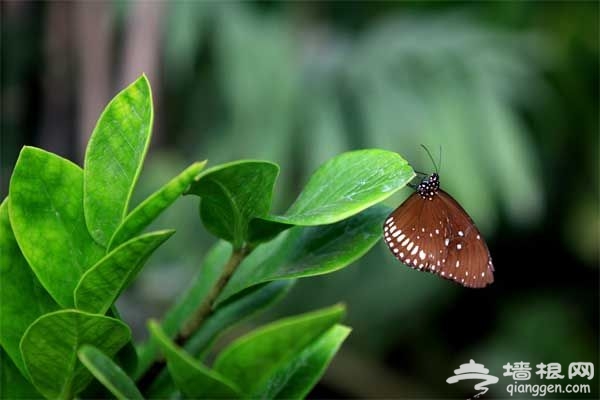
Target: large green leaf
<point>13,384</point>
<point>299,376</point>
<point>308,251</point>
<point>191,377</point>
<point>22,298</point>
<point>114,158</point>
<point>340,188</point>
<point>232,194</point>
<point>151,208</point>
<point>254,359</point>
<point>49,348</point>
<point>346,185</point>
<point>46,215</point>
<point>108,373</point>
<point>100,286</point>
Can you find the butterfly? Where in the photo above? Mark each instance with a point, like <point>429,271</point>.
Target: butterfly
<point>431,232</point>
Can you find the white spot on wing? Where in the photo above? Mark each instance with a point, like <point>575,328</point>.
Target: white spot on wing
<point>422,255</point>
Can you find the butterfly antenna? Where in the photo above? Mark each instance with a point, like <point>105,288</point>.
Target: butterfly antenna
<point>440,160</point>
<point>431,158</point>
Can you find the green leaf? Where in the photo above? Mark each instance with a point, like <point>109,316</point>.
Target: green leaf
<point>232,194</point>
<point>100,286</point>
<point>151,208</point>
<point>17,311</point>
<point>296,379</point>
<point>114,158</point>
<point>346,185</point>
<point>253,360</point>
<point>49,349</point>
<point>108,373</point>
<point>191,377</point>
<point>46,214</point>
<point>308,251</point>
<point>13,384</point>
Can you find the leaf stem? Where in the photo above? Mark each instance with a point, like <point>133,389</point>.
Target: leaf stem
<point>201,314</point>
<point>206,308</point>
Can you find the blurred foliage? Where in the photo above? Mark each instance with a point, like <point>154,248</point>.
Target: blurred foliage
<point>449,82</point>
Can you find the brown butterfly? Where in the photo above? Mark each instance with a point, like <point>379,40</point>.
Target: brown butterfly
<point>431,232</point>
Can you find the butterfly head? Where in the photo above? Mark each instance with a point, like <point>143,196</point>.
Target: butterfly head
<point>429,186</point>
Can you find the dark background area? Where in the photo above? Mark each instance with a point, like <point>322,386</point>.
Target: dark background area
<point>509,90</point>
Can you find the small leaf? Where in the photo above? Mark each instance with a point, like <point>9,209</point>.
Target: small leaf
<point>22,298</point>
<point>252,360</point>
<point>151,208</point>
<point>232,194</point>
<point>13,384</point>
<point>49,349</point>
<point>309,251</point>
<point>108,373</point>
<point>191,377</point>
<point>46,215</point>
<point>100,286</point>
<point>298,377</point>
<point>114,158</point>
<point>346,185</point>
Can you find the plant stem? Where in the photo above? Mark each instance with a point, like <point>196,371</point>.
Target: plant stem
<point>198,318</point>
<point>205,309</point>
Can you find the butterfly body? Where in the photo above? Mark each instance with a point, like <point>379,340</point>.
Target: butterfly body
<point>431,232</point>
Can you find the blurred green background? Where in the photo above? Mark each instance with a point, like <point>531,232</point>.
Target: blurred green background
<point>509,90</point>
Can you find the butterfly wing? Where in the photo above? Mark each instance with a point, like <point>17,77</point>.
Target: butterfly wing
<point>415,233</point>
<point>468,258</point>
<point>438,236</point>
